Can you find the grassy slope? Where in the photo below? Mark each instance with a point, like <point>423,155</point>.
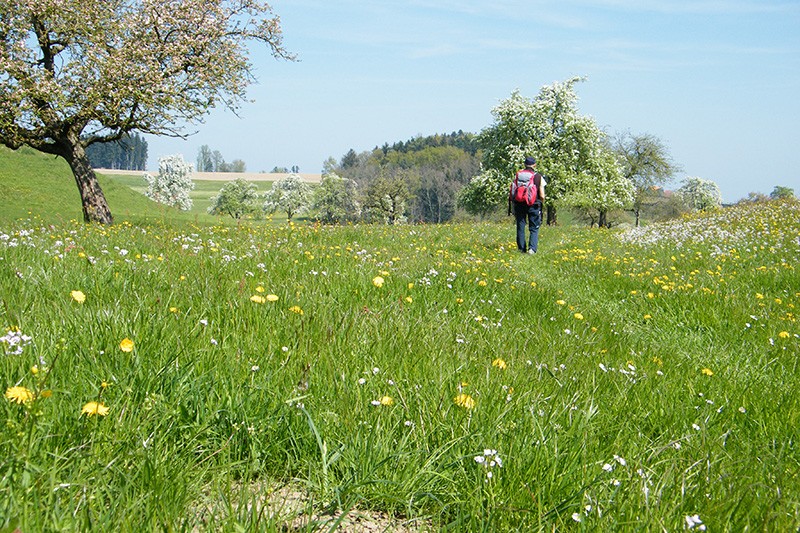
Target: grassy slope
<point>32,183</point>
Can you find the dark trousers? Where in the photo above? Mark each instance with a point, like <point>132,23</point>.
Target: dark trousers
<point>532,216</point>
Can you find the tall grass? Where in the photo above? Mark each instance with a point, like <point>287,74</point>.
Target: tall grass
<point>626,380</point>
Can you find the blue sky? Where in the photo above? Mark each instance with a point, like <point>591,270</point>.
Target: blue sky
<point>717,81</point>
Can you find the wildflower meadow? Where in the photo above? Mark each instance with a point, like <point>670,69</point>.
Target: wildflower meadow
<point>291,377</point>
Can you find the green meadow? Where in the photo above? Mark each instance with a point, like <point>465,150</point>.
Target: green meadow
<point>178,372</point>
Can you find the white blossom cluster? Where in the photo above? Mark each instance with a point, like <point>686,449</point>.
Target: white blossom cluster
<point>490,459</point>
<point>14,341</point>
<point>172,184</point>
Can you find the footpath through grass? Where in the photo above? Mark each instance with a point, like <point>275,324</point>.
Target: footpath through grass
<point>162,378</point>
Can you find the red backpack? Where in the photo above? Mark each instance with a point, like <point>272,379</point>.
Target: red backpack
<point>525,193</point>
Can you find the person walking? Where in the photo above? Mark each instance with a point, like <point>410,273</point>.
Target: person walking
<point>528,214</point>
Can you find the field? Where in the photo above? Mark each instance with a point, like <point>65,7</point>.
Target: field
<point>296,377</point>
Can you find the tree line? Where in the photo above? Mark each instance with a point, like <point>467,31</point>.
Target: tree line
<point>127,153</point>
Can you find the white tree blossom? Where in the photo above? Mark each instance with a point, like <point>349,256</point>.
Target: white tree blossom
<point>570,149</point>
<point>700,194</point>
<point>336,199</point>
<point>290,194</point>
<point>236,198</point>
<point>172,184</point>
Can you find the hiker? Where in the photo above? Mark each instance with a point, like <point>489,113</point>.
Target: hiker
<point>527,198</point>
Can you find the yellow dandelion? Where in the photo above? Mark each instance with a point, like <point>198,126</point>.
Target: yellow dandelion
<point>648,317</point>
<point>410,285</point>
<point>378,281</point>
<point>19,395</point>
<point>561,302</point>
<point>459,300</point>
<point>94,408</point>
<point>296,309</point>
<point>259,289</point>
<point>578,316</point>
<point>482,283</point>
<point>272,297</point>
<point>34,370</point>
<point>126,345</point>
<point>707,372</point>
<point>499,363</point>
<point>78,296</point>
<point>409,299</point>
<point>783,335</point>
<point>173,309</point>
<point>257,299</point>
<point>464,400</point>
<point>387,401</point>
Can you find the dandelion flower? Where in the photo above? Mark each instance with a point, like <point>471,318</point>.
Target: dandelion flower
<point>19,395</point>
<point>95,408</point>
<point>259,289</point>
<point>465,401</point>
<point>707,372</point>
<point>78,296</point>
<point>378,281</point>
<point>258,299</point>
<point>272,297</point>
<point>296,309</point>
<point>561,302</point>
<point>499,363</point>
<point>783,334</point>
<point>409,299</point>
<point>578,316</point>
<point>126,345</point>
<point>387,401</point>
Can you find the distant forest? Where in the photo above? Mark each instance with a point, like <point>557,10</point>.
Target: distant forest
<point>419,178</point>
<point>128,153</point>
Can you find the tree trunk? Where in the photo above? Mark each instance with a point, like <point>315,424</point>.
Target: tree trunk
<point>602,221</point>
<point>552,219</point>
<point>636,212</point>
<point>95,207</point>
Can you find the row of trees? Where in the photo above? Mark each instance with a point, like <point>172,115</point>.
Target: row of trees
<point>240,198</point>
<point>128,153</point>
<point>418,180</point>
<point>212,161</point>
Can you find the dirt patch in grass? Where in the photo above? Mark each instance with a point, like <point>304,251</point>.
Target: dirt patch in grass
<point>288,508</point>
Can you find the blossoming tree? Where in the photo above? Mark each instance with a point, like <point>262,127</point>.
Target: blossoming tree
<point>173,183</point>
<point>570,150</point>
<point>76,72</point>
<point>290,194</point>
<point>700,194</point>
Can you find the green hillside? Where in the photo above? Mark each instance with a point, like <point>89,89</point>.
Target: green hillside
<point>36,184</point>
<point>32,183</point>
